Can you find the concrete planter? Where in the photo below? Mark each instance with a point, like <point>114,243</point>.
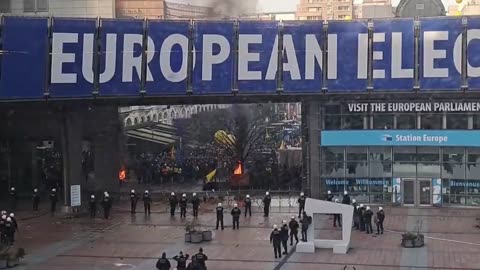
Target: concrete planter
<point>196,237</point>
<point>188,238</point>
<point>413,241</point>
<point>207,235</point>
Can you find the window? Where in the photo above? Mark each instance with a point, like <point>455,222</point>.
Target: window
<point>5,6</point>
<point>35,5</point>
<point>457,121</point>
<point>432,121</point>
<point>353,121</point>
<point>406,121</point>
<point>344,8</point>
<point>314,9</point>
<point>382,121</point>
<point>476,121</point>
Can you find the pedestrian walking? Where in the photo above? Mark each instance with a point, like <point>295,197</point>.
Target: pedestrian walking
<point>107,205</point>
<point>201,259</point>
<point>133,201</point>
<point>276,239</point>
<point>346,198</point>
<point>53,200</point>
<point>181,261</point>
<point>163,263</point>
<point>195,204</point>
<point>236,212</point>
<point>293,225</point>
<point>266,204</point>
<point>173,203</point>
<point>284,233</point>
<point>219,211</point>
<point>336,217</point>
<point>147,202</point>
<point>183,205</point>
<point>35,200</point>
<point>248,205</point>
<point>368,220</point>
<point>380,219</point>
<point>13,199</point>
<point>92,206</point>
<point>301,204</point>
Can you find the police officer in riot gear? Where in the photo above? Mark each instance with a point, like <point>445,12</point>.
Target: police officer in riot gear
<point>346,198</point>
<point>329,196</point>
<point>183,205</point>
<point>35,199</point>
<point>380,219</point>
<point>195,204</point>
<point>306,221</point>
<point>266,204</point>
<point>293,225</point>
<point>236,212</point>
<point>163,263</point>
<point>107,205</point>
<point>181,261</point>
<point>173,203</point>
<point>147,202</point>
<point>13,199</point>
<point>336,217</point>
<point>92,206</point>
<point>133,201</point>
<point>276,239</point>
<point>248,205</point>
<point>301,204</point>
<point>368,220</point>
<point>53,200</point>
<point>355,214</point>
<point>201,258</point>
<point>9,231</point>
<point>284,233</point>
<point>361,217</point>
<point>219,211</point>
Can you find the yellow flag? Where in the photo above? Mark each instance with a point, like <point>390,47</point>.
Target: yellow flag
<point>211,175</point>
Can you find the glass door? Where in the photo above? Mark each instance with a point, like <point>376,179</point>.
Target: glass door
<point>424,192</point>
<point>408,192</point>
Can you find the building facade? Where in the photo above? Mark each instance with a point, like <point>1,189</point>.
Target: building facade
<point>62,8</point>
<point>152,9</point>
<point>324,10</point>
<point>420,8</point>
<point>371,9</point>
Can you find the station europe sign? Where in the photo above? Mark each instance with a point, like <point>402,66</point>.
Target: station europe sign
<point>400,138</point>
<point>72,58</point>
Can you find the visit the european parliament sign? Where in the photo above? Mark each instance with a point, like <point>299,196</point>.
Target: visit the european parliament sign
<point>75,58</point>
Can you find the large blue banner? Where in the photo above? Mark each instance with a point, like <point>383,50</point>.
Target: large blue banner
<point>439,61</point>
<point>393,60</point>
<point>120,57</point>
<point>71,73</point>
<point>348,43</point>
<point>400,138</point>
<point>302,56</point>
<point>167,58</point>
<point>214,67</point>
<point>24,58</point>
<point>257,57</point>
<point>473,53</point>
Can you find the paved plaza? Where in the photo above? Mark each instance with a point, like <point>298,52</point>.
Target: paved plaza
<point>136,242</point>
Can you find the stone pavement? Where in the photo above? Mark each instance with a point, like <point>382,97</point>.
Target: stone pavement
<point>136,241</point>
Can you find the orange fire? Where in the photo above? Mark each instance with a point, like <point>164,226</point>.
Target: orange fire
<point>238,170</point>
<point>122,175</point>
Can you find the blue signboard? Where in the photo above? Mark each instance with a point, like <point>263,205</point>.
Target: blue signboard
<point>302,56</point>
<point>167,58</point>
<point>440,66</point>
<point>71,73</point>
<point>348,42</point>
<point>214,49</point>
<point>400,138</point>
<point>120,57</point>
<point>24,58</point>
<point>393,60</point>
<point>473,53</point>
<point>257,57</point>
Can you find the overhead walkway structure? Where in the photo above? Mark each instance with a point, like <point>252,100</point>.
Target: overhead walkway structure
<point>153,132</point>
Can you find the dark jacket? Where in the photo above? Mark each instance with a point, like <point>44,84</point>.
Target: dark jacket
<point>236,212</point>
<point>293,225</point>
<point>147,199</point>
<point>163,264</point>
<point>195,202</point>
<point>35,197</point>
<point>173,201</point>
<point>346,199</point>
<point>276,237</point>
<point>133,197</point>
<point>380,216</point>
<point>306,220</point>
<point>181,261</point>
<point>368,216</point>
<point>107,202</point>
<point>301,201</point>
<point>329,197</point>
<point>219,212</point>
<point>200,258</point>
<point>92,204</point>
<point>53,197</point>
<point>183,202</point>
<point>267,200</point>
<point>284,232</point>
<point>248,202</point>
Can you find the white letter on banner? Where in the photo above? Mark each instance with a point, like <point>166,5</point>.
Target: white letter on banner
<point>244,57</point>
<point>430,54</point>
<point>166,54</point>
<point>362,66</point>
<point>130,61</point>
<point>110,58</point>
<point>312,52</point>
<point>378,55</point>
<point>397,51</point>
<point>59,58</point>
<point>457,53</point>
<point>332,56</point>
<point>208,59</point>
<point>290,66</point>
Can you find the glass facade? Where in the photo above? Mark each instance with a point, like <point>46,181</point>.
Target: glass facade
<point>382,174</point>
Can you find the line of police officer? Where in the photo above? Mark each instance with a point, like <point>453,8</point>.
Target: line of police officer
<point>8,228</point>
<point>198,261</point>
<point>53,196</point>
